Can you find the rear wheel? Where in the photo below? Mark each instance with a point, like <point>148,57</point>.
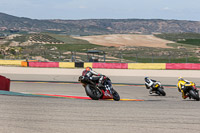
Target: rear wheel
<point>116,96</point>
<point>161,91</point>
<point>194,95</point>
<point>93,92</point>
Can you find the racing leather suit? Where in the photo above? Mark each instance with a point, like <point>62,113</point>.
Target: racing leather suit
<point>182,88</point>
<point>149,83</point>
<point>90,74</point>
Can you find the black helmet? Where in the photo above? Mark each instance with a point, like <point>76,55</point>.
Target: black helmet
<point>146,78</point>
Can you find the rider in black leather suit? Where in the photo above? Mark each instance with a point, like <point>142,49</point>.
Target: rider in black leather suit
<point>94,76</point>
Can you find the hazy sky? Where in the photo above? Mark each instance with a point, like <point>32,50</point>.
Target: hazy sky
<point>91,9</point>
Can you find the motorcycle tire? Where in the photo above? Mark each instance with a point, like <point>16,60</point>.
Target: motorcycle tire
<point>161,91</point>
<point>194,95</point>
<point>93,92</point>
<point>116,96</point>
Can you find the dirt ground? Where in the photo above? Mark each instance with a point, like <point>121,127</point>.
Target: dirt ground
<point>118,40</point>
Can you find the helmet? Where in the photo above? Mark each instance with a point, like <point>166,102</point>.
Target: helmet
<point>180,79</point>
<point>146,78</point>
<point>88,68</point>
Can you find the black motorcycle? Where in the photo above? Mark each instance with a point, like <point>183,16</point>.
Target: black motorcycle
<point>157,88</point>
<point>191,91</point>
<point>96,93</point>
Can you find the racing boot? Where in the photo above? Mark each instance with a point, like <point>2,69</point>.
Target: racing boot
<point>188,95</point>
<point>184,96</point>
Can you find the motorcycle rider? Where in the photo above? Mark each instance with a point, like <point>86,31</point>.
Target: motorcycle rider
<point>181,86</point>
<point>149,84</point>
<point>92,75</point>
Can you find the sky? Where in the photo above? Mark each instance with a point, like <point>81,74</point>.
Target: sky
<point>103,9</point>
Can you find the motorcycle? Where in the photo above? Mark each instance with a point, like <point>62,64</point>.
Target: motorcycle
<point>96,93</point>
<point>191,91</point>
<point>157,88</point>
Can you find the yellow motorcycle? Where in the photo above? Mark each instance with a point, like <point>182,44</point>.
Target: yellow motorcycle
<point>190,90</point>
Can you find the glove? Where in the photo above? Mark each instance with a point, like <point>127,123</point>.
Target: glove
<point>81,78</point>
<point>104,77</point>
<point>147,86</point>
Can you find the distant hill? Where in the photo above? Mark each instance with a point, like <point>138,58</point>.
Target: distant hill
<point>98,26</point>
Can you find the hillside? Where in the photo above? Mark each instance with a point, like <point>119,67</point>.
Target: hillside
<point>98,26</point>
<point>117,47</point>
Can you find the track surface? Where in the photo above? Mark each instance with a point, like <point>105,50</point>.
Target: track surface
<point>169,114</point>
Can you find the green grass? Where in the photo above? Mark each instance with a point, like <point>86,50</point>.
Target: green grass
<point>178,36</point>
<point>22,38</point>
<point>176,45</point>
<point>73,47</point>
<point>68,39</point>
<point>195,42</point>
<point>163,60</point>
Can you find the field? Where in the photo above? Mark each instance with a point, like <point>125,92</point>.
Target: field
<point>162,48</point>
<point>121,40</point>
<point>178,36</point>
<point>44,39</point>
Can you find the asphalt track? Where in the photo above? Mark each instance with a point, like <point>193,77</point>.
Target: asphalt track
<point>41,114</point>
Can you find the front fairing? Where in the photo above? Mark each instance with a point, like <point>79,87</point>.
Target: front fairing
<point>107,95</point>
<point>156,85</point>
<point>108,90</point>
<point>108,85</point>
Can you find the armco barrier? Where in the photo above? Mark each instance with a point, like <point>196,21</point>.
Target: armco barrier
<point>4,83</point>
<point>24,64</point>
<point>110,65</point>
<point>87,64</point>
<point>146,66</point>
<point>11,62</point>
<point>43,64</point>
<point>183,66</point>
<point>79,64</point>
<point>150,66</point>
<point>67,64</point>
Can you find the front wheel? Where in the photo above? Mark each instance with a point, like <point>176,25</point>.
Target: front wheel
<point>161,91</point>
<point>116,96</point>
<point>93,92</point>
<point>194,95</point>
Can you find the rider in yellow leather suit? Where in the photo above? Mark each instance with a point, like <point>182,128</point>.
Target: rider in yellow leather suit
<point>182,86</point>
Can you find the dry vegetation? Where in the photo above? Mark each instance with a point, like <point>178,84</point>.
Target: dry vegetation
<point>118,48</point>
